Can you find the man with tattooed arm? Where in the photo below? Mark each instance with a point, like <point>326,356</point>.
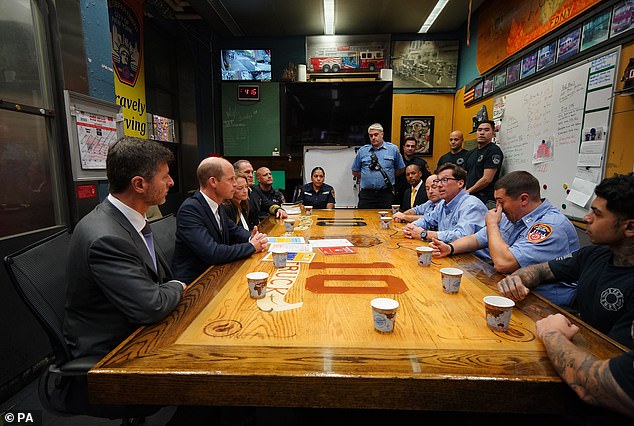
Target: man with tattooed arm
<point>604,271</point>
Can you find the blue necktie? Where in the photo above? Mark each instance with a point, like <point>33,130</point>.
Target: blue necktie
<point>147,234</point>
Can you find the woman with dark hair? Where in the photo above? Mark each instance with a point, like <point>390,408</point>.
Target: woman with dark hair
<point>316,193</point>
<point>239,208</point>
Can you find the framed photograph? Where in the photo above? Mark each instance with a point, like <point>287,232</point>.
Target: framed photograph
<point>546,55</point>
<point>529,63</point>
<point>513,73</point>
<point>488,85</point>
<point>622,18</point>
<point>425,64</point>
<point>568,45</point>
<point>499,81</point>
<point>422,129</point>
<point>477,94</point>
<point>596,30</point>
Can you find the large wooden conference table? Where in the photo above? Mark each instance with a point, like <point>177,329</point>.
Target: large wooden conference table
<point>311,342</point>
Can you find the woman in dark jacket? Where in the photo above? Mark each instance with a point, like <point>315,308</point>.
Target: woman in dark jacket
<point>317,193</point>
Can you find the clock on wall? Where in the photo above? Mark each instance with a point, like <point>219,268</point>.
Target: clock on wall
<point>248,92</point>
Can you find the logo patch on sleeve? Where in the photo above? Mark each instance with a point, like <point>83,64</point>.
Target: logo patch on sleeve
<point>539,232</point>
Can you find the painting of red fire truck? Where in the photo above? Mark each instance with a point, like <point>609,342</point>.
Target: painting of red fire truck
<point>346,58</point>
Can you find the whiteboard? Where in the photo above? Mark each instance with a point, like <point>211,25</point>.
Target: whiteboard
<point>569,115</point>
<point>337,163</point>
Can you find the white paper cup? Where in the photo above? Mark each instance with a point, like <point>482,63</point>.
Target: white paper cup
<point>498,311</point>
<point>395,208</point>
<point>308,210</point>
<point>383,213</point>
<point>424,254</point>
<point>289,225</point>
<point>385,222</point>
<point>257,284</point>
<point>384,314</point>
<point>279,258</point>
<point>451,278</point>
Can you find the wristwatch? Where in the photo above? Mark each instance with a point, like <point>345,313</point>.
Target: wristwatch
<point>423,235</point>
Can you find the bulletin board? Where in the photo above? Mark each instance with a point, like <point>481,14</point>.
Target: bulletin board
<point>93,126</point>
<point>558,128</point>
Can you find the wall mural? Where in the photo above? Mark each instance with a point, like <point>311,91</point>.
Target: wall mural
<point>505,27</point>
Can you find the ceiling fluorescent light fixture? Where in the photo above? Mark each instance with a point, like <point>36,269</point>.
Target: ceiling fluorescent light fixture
<point>329,17</point>
<point>432,16</point>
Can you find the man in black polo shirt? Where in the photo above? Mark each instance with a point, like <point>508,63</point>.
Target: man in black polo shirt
<point>457,154</point>
<point>484,164</point>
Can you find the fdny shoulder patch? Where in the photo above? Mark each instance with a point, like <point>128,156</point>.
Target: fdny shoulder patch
<point>539,232</point>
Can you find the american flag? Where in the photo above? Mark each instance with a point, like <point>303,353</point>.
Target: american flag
<point>469,91</point>
<point>468,95</point>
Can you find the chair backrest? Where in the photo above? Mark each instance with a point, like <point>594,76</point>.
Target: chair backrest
<point>38,273</point>
<point>164,232</point>
<point>584,240</point>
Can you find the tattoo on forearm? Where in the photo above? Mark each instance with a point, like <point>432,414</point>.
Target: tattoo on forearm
<point>533,275</point>
<point>590,378</point>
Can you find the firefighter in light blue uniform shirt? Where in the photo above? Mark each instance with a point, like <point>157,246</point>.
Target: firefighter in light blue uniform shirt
<point>456,215</point>
<point>542,235</point>
<point>532,231</point>
<point>425,208</point>
<point>377,164</point>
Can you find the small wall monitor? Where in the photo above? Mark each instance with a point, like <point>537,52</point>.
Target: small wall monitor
<point>245,65</point>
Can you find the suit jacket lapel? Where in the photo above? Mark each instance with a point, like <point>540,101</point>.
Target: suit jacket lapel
<point>207,209</point>
<point>111,210</point>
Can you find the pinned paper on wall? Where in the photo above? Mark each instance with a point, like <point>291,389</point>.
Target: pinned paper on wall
<point>591,174</point>
<point>543,150</point>
<point>580,192</point>
<point>591,153</point>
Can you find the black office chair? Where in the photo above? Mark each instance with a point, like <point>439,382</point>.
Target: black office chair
<point>164,232</point>
<point>584,240</point>
<point>38,273</point>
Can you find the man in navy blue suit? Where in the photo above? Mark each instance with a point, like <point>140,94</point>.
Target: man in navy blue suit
<point>205,236</point>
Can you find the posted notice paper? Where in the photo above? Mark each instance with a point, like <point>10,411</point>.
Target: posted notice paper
<point>580,192</point>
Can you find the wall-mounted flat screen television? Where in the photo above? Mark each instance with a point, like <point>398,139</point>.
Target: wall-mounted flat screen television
<point>334,113</point>
<point>245,65</point>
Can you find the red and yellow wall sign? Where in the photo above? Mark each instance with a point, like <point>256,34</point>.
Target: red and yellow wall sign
<point>505,27</point>
<point>126,32</point>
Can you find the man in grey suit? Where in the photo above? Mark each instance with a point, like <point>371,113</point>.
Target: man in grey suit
<point>205,235</point>
<point>118,279</point>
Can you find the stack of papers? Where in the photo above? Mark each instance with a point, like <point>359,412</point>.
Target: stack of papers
<point>333,246</point>
<point>292,208</point>
<point>331,242</point>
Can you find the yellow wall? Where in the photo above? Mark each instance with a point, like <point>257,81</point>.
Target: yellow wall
<point>463,116</point>
<point>439,106</point>
<point>450,113</point>
<point>621,144</point>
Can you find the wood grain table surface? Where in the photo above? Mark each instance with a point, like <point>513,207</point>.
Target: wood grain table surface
<point>311,341</point>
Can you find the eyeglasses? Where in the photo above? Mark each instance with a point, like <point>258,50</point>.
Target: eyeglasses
<point>443,180</point>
